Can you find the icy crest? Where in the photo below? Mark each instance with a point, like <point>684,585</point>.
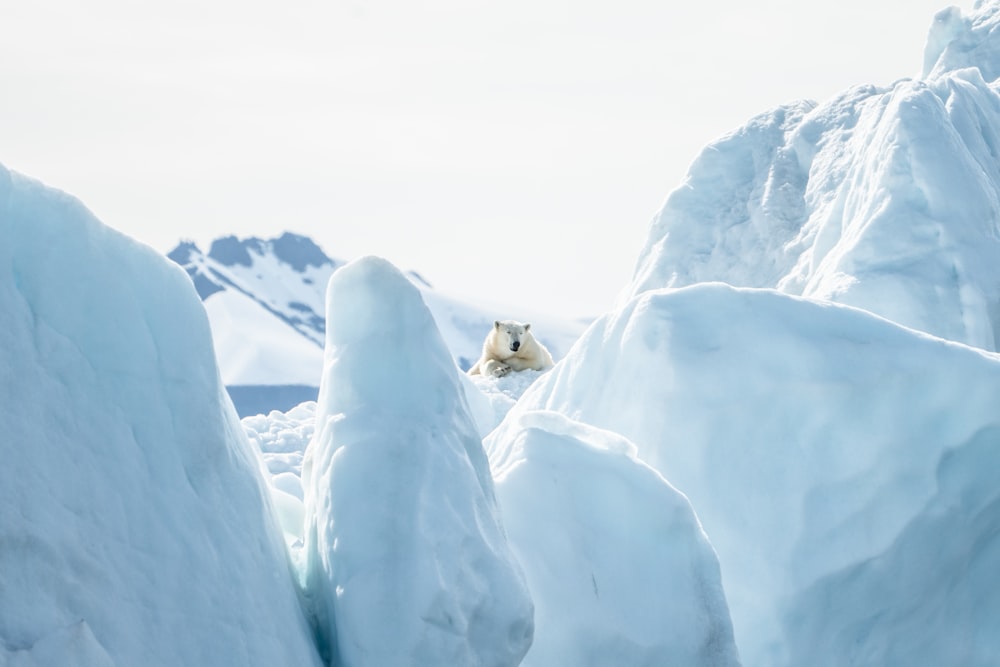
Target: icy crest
<point>956,41</point>
<point>406,562</point>
<point>887,199</point>
<point>135,523</point>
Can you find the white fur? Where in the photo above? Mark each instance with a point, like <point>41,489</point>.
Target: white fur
<point>500,356</point>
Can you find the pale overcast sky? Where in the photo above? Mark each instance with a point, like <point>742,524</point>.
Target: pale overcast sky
<point>512,151</point>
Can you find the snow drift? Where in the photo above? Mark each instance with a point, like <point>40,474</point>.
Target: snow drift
<point>826,452</point>
<point>135,525</point>
<point>406,562</point>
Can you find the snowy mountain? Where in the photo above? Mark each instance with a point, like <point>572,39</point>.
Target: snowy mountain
<point>266,304</point>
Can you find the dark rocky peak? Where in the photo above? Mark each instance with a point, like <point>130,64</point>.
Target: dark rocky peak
<point>294,250</point>
<point>183,252</point>
<point>204,282</point>
<point>298,252</point>
<point>231,251</point>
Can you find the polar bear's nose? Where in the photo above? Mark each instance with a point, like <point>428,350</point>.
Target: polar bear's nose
<point>516,344</point>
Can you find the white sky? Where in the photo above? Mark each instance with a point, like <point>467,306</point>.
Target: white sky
<point>513,151</point>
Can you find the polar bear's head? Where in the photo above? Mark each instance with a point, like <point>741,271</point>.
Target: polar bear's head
<point>510,334</point>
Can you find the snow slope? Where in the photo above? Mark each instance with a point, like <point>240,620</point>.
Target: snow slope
<point>827,453</point>
<point>883,198</point>
<point>136,528</point>
<point>256,349</point>
<point>406,562</point>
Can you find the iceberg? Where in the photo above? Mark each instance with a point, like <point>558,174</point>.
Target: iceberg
<point>883,198</point>
<point>136,526</point>
<point>405,559</point>
<point>618,565</point>
<point>825,450</point>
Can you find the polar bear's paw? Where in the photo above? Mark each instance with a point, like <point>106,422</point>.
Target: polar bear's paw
<point>501,371</point>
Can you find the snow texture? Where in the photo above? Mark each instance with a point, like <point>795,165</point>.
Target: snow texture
<point>406,562</point>
<point>136,527</point>
<point>887,199</point>
<point>956,42</point>
<point>282,438</point>
<point>268,352</point>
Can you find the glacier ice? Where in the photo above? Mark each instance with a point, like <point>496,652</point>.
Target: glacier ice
<point>136,527</point>
<point>618,566</point>
<point>406,561</point>
<point>823,449</point>
<point>887,199</point>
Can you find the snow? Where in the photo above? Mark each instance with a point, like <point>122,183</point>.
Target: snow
<point>136,525</point>
<point>283,283</point>
<point>887,199</point>
<point>956,41</point>
<point>491,398</point>
<point>282,438</point>
<point>821,446</point>
<point>74,643</point>
<point>831,455</point>
<point>595,530</point>
<point>618,565</point>
<point>270,352</point>
<point>406,561</point>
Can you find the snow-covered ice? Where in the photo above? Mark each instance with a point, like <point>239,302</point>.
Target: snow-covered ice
<point>883,198</point>
<point>491,398</point>
<point>957,41</point>
<point>406,561</point>
<point>136,528</point>
<point>829,454</point>
<point>816,443</point>
<point>619,568</point>
<point>282,438</point>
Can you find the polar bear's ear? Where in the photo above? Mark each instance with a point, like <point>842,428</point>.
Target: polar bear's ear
<point>527,325</point>
<point>496,324</point>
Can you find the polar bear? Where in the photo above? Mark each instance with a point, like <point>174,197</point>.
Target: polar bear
<point>511,347</point>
